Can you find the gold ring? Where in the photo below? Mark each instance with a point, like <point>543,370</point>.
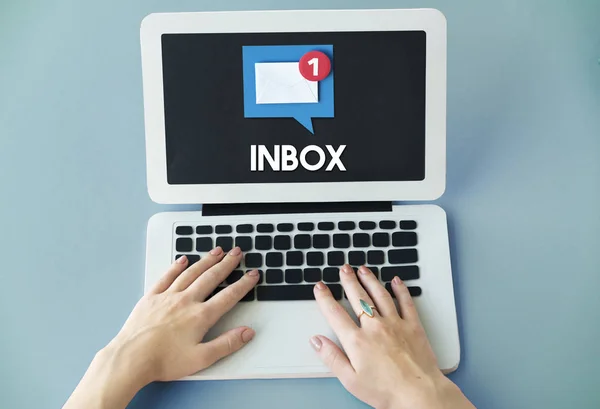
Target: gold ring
<point>367,309</point>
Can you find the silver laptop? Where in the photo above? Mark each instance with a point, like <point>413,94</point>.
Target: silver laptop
<point>296,131</point>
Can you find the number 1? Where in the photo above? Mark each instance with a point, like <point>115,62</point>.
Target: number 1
<point>315,63</point>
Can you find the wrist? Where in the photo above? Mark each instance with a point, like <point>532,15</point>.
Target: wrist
<point>438,393</point>
<point>450,396</point>
<point>126,366</point>
<point>111,381</point>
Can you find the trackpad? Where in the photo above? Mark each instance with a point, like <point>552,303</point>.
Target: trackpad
<point>283,330</point>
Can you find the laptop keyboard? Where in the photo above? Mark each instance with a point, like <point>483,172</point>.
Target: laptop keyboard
<point>292,257</point>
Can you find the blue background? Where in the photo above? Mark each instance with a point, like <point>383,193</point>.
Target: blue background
<point>523,196</point>
<point>291,53</point>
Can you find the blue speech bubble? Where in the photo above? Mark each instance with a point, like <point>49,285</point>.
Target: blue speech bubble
<point>303,113</point>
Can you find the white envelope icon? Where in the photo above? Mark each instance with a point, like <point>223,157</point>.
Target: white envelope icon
<point>282,83</point>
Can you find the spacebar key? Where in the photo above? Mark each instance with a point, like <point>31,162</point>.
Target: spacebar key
<point>293,292</point>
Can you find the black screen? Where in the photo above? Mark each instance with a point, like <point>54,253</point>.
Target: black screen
<point>379,97</point>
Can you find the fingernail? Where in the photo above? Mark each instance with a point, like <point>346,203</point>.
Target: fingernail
<point>363,270</point>
<point>248,334</point>
<point>396,280</point>
<point>347,269</point>
<point>320,285</point>
<point>181,260</point>
<point>216,251</point>
<point>316,343</point>
<point>253,273</point>
<point>235,251</point>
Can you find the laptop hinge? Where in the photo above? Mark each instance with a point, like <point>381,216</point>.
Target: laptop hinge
<point>280,208</point>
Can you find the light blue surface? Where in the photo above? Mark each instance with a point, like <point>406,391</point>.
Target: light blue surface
<point>523,197</point>
<point>303,113</point>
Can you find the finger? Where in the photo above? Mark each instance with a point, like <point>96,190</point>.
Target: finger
<point>227,298</point>
<point>204,285</point>
<point>405,301</point>
<point>334,313</point>
<point>333,357</point>
<point>354,290</point>
<point>224,345</point>
<point>382,298</point>
<point>195,270</point>
<point>172,273</point>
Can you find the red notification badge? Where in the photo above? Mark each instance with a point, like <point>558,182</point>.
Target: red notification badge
<point>315,66</point>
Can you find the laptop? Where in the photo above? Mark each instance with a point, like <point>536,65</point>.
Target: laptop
<point>299,132</point>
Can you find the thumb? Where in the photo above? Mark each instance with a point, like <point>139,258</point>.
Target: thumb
<point>333,357</point>
<point>226,344</point>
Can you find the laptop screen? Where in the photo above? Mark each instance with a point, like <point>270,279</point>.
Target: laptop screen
<point>294,107</point>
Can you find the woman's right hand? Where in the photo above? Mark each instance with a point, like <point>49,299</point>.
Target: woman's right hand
<point>388,362</point>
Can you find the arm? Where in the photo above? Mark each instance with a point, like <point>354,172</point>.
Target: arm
<point>388,362</point>
<point>161,340</point>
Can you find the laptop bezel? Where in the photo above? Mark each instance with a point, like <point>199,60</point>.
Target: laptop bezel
<point>431,21</point>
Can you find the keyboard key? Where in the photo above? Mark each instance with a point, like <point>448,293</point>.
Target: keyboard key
<point>381,240</point>
<point>312,275</point>
<point>184,230</point>
<point>244,228</point>
<point>204,244</point>
<point>260,276</point>
<point>285,227</point>
<point>374,270</point>
<point>204,229</point>
<point>293,276</point>
<point>321,241</point>
<point>294,258</point>
<point>376,257</point>
<point>387,224</point>
<point>184,244</point>
<point>404,272</point>
<point>249,297</point>
<point>254,260</point>
<point>274,260</point>
<point>408,225</point>
<point>223,229</point>
<point>331,275</point>
<point>356,258</point>
<point>244,242</point>
<point>192,258</point>
<point>215,292</point>
<point>225,242</point>
<point>361,240</point>
<point>404,256</point>
<point>341,241</point>
<point>263,243</point>
<point>414,291</point>
<point>302,241</point>
<point>293,292</point>
<point>274,276</point>
<point>335,258</point>
<point>367,225</point>
<point>306,226</point>
<point>326,226</point>
<point>404,239</point>
<point>282,243</point>
<point>346,225</point>
<point>264,228</point>
<point>234,276</point>
<point>314,258</point>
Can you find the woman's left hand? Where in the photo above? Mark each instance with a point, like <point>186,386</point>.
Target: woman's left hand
<point>162,338</point>
<point>166,327</point>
